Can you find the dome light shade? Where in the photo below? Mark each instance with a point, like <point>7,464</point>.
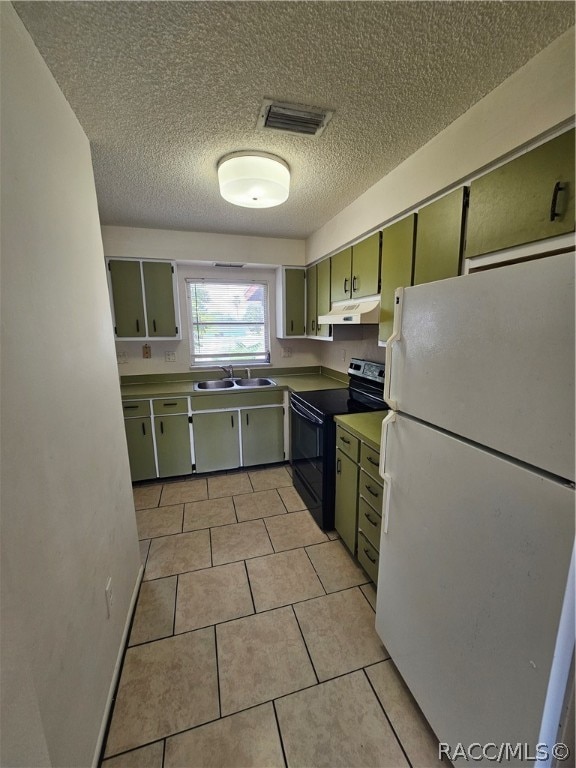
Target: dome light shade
<point>253,179</point>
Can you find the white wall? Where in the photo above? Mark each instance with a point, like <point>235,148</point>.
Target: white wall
<point>137,243</point>
<point>535,99</point>
<point>67,511</point>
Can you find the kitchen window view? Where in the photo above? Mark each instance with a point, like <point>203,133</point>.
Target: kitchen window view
<point>288,401</point>
<point>229,322</point>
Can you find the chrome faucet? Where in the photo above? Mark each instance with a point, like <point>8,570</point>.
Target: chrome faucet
<point>228,369</point>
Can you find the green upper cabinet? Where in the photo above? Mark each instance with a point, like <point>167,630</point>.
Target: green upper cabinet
<point>528,199</point>
<point>311,301</point>
<point>144,299</point>
<point>290,302</point>
<point>396,268</point>
<point>127,298</point>
<point>159,290</point>
<point>323,296</point>
<point>262,435</point>
<point>366,267</point>
<point>439,237</point>
<point>341,275</point>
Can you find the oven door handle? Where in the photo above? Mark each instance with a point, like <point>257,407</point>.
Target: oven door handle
<point>304,413</point>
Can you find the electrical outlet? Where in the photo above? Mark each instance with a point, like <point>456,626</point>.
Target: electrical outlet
<point>146,351</point>
<point>109,596</point>
<point>170,357</point>
<point>344,355</point>
<point>122,357</point>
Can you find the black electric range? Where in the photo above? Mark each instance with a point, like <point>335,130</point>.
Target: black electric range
<point>313,433</point>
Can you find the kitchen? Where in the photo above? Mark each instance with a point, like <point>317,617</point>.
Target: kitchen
<point>66,470</point>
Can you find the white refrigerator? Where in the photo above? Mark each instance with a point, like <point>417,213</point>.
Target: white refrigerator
<point>475,596</point>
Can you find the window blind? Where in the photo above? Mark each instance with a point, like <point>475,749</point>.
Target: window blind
<point>229,321</point>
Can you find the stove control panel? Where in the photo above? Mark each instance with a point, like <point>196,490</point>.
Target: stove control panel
<point>367,369</point>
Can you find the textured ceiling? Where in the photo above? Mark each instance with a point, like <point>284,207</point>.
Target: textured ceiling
<point>164,89</point>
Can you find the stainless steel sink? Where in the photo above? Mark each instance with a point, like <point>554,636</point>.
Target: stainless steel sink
<point>254,383</point>
<point>216,384</point>
<point>233,383</point>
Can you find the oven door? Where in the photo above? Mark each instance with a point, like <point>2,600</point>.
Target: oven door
<point>306,454</point>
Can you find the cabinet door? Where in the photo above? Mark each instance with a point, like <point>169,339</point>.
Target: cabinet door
<point>173,445</point>
<point>366,267</point>
<point>341,277</point>
<point>140,448</point>
<point>311,306</point>
<point>439,238</point>
<point>158,286</point>
<point>528,199</point>
<point>262,435</point>
<point>323,295</point>
<point>345,508</point>
<point>295,302</point>
<point>216,440</point>
<point>396,268</point>
<point>127,298</point>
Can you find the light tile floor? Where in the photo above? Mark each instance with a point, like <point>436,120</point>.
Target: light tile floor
<point>253,641</point>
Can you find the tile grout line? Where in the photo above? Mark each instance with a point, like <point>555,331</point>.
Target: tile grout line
<point>163,751</point>
<point>175,605</point>
<point>217,673</point>
<point>279,733</point>
<point>250,588</point>
<point>315,571</point>
<point>305,644</point>
<point>386,716</point>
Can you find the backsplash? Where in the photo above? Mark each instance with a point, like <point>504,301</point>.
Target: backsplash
<point>337,354</point>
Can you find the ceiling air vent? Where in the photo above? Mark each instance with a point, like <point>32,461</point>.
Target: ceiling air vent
<point>234,265</point>
<point>293,118</point>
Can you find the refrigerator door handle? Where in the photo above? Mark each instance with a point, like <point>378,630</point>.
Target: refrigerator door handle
<point>386,505</point>
<point>396,333</point>
<point>390,419</point>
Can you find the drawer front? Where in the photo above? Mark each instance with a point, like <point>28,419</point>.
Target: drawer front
<point>369,523</point>
<point>135,408</point>
<point>170,405</point>
<point>347,443</point>
<point>220,402</point>
<point>371,491</point>
<point>370,461</point>
<point>368,557</point>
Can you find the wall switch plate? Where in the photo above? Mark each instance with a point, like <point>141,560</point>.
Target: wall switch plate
<point>146,351</point>
<point>122,357</point>
<point>109,596</point>
<point>286,351</point>
<point>170,357</point>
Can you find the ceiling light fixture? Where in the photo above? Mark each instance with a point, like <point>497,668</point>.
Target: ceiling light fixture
<point>253,179</point>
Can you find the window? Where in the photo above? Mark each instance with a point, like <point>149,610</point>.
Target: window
<point>228,321</point>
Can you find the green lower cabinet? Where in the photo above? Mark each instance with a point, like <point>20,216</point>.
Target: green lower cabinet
<point>262,435</point>
<point>216,441</point>
<point>345,517</point>
<point>173,445</point>
<point>140,448</point>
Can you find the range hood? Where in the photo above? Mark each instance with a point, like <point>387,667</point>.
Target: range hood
<point>361,312</point>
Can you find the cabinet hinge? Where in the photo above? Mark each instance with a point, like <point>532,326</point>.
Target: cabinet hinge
<point>172,268</point>
<point>189,419</point>
<point>194,467</point>
<point>109,267</point>
<point>176,330</point>
<point>116,330</point>
<point>466,196</point>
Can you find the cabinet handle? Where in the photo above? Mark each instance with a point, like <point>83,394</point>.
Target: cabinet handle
<point>370,520</point>
<point>171,405</point>
<point>354,279</point>
<point>344,440</point>
<point>369,489</point>
<point>130,407</point>
<point>143,428</point>
<point>338,466</point>
<point>313,325</point>
<point>161,427</point>
<point>137,326</point>
<point>291,325</point>
<point>558,187</point>
<point>345,285</point>
<point>374,463</point>
<point>154,325</point>
<point>232,420</point>
<point>367,553</point>
<point>247,419</point>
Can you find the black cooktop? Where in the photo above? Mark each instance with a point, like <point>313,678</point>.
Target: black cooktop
<point>334,402</point>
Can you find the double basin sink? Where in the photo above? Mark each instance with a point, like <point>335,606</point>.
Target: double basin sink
<point>233,384</point>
